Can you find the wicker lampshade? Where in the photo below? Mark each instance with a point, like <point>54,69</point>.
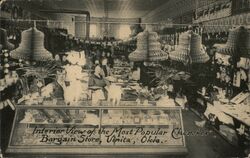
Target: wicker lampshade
<point>181,53</point>
<point>141,52</point>
<point>148,48</point>
<point>154,48</point>
<point>233,42</point>
<point>190,49</point>
<point>197,52</point>
<point>32,47</point>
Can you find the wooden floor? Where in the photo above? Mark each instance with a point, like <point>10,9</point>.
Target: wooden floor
<point>210,146</point>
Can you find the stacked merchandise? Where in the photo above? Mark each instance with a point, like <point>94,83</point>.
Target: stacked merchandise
<point>73,79</point>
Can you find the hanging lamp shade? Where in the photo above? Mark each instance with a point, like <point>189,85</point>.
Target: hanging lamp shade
<point>197,52</point>
<point>32,47</point>
<point>181,53</point>
<point>233,42</point>
<point>141,52</point>
<point>190,49</point>
<point>148,48</point>
<point>4,42</point>
<point>154,48</point>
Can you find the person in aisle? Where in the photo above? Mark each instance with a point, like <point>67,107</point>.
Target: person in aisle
<point>58,60</point>
<point>97,64</point>
<point>64,60</point>
<point>97,79</point>
<point>110,60</point>
<point>105,67</point>
<point>103,57</point>
<point>98,55</point>
<point>181,99</point>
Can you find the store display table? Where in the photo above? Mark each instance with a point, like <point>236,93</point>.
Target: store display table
<point>97,130</point>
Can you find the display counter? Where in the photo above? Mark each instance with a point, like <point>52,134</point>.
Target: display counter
<point>88,130</point>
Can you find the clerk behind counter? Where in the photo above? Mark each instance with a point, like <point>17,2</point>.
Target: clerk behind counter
<point>97,84</point>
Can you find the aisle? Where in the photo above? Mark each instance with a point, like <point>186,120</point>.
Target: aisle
<point>211,146</point>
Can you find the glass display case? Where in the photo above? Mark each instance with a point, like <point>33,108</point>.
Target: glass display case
<point>97,130</point>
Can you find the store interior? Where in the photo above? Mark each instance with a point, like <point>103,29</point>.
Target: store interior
<point>125,78</point>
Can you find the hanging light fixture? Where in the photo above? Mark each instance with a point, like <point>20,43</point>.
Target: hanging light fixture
<point>197,51</point>
<point>190,49</point>
<point>141,52</point>
<point>148,48</point>
<point>154,48</point>
<point>32,47</point>
<point>181,53</point>
<point>233,42</point>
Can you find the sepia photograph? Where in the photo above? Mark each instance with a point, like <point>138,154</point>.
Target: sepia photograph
<point>125,79</point>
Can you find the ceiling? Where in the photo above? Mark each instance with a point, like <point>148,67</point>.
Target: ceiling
<point>100,8</point>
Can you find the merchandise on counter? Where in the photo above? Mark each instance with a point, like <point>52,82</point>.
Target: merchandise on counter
<point>91,119</point>
<point>138,117</point>
<point>8,80</point>
<point>165,101</point>
<point>120,63</point>
<point>32,47</point>
<point>244,63</point>
<point>97,96</point>
<point>239,98</point>
<point>114,91</point>
<point>59,116</point>
<point>76,57</point>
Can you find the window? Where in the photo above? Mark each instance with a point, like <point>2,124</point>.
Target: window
<point>93,30</point>
<point>124,31</point>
